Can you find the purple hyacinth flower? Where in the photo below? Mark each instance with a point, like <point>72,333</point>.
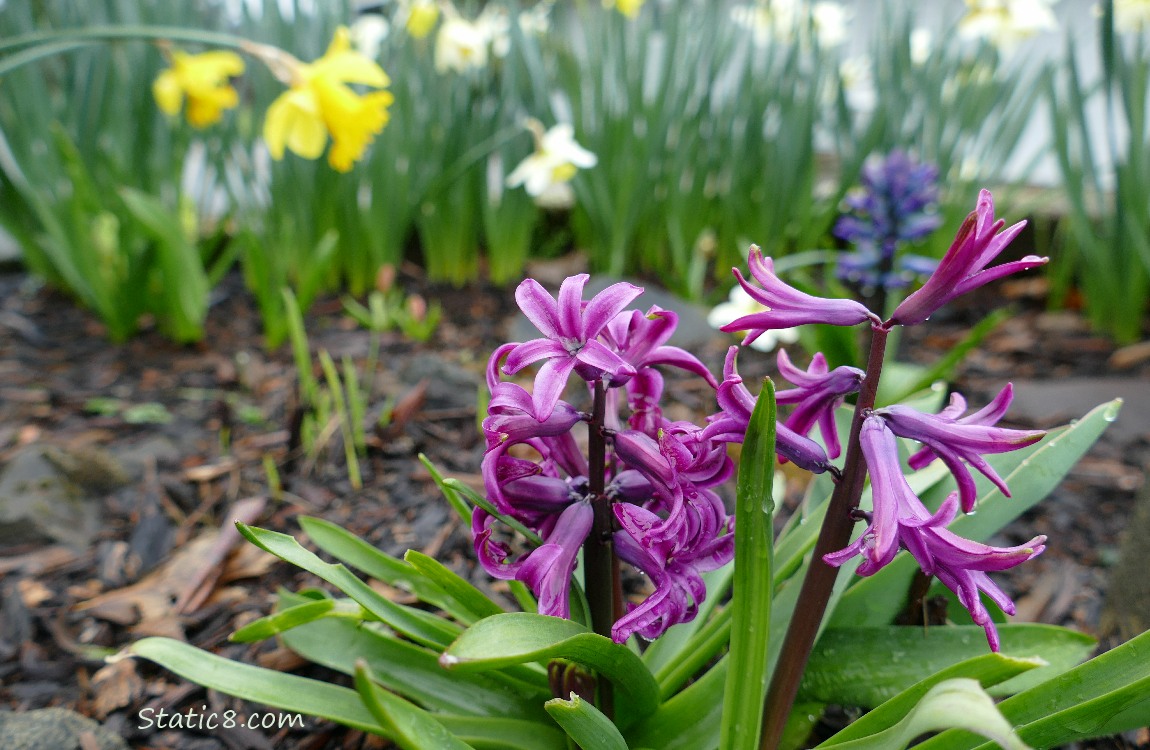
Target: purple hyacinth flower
<point>737,404</point>
<point>956,440</point>
<point>787,307</point>
<point>570,327</point>
<point>704,542</point>
<point>641,340</point>
<point>512,416</point>
<point>546,569</point>
<point>963,268</point>
<point>899,519</point>
<point>817,395</point>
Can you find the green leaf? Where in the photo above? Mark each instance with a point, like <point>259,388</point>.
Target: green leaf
<point>359,554</point>
<point>1031,473</point>
<point>959,702</point>
<point>741,725</point>
<point>585,724</point>
<point>870,665</point>
<point>1106,695</point>
<point>414,671</point>
<point>457,503</point>
<point>687,720</point>
<point>421,627</point>
<point>520,637</point>
<point>285,620</point>
<point>287,692</point>
<point>410,727</point>
<point>988,670</point>
<point>471,604</point>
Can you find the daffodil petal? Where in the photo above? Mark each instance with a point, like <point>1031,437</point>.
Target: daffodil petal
<point>168,92</point>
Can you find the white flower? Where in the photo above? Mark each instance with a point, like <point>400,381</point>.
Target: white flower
<point>545,173</point>
<point>738,304</point>
<point>858,82</point>
<point>1007,22</point>
<point>782,19</point>
<point>921,45</point>
<point>461,44</point>
<point>368,33</point>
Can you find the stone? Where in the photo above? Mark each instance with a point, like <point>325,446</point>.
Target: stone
<point>449,385</point>
<point>40,502</point>
<point>53,729</point>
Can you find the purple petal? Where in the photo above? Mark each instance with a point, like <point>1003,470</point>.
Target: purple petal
<point>531,352</point>
<point>549,384</point>
<point>606,305</point>
<point>539,307</point>
<point>571,307</point>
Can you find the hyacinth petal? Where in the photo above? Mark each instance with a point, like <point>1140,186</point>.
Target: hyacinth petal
<point>547,569</point>
<point>684,360</point>
<point>492,372</point>
<point>801,451</point>
<point>601,358</point>
<point>989,414</point>
<point>549,384</point>
<point>605,305</point>
<point>539,307</point>
<point>570,306</point>
<point>531,352</point>
<point>993,274</point>
<point>887,487</point>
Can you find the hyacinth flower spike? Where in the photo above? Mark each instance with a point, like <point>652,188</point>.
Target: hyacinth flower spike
<point>963,268</point>
<point>641,340</point>
<point>988,415</point>
<point>817,394</point>
<point>737,404</point>
<point>955,441</point>
<point>788,307</point>
<point>569,328</point>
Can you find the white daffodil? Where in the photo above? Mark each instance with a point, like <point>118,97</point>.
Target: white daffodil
<point>460,44</point>
<point>1005,23</point>
<point>1130,16</point>
<point>921,45</point>
<point>783,19</point>
<point>545,173</point>
<point>738,304</point>
<point>367,34</point>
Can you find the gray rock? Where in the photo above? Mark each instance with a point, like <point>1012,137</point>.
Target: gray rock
<point>40,502</point>
<point>449,385</point>
<point>53,729</point>
<point>1050,402</point>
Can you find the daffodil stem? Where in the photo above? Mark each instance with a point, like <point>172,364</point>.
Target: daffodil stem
<point>601,566</point>
<point>820,578</point>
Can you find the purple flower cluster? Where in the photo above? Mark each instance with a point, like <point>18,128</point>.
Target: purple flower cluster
<point>667,519</point>
<point>895,204</point>
<point>898,518</point>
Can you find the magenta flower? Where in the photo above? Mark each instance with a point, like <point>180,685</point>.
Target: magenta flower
<point>737,404</point>
<point>899,519</point>
<point>641,340</point>
<point>546,569</point>
<point>955,440</point>
<point>963,268</point>
<point>570,327</point>
<point>817,395</point>
<point>787,307</point>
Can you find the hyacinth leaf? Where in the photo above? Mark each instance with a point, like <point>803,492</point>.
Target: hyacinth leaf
<point>422,627</point>
<point>410,727</point>
<point>987,669</point>
<point>459,488</point>
<point>413,671</point>
<point>462,509</point>
<point>687,720</point>
<point>741,725</point>
<point>884,661</point>
<point>287,692</point>
<point>585,724</point>
<point>1031,473</point>
<point>1106,695</point>
<point>958,702</point>
<point>521,638</point>
<point>284,620</point>
<point>707,643</point>
<point>471,603</point>
<point>363,556</point>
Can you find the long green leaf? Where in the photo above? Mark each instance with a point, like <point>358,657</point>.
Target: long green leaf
<point>470,602</point>
<point>410,726</point>
<point>284,620</point>
<point>422,627</point>
<point>867,666</point>
<point>585,724</point>
<point>287,692</point>
<point>959,702</point>
<point>988,669</point>
<point>520,637</point>
<point>741,725</point>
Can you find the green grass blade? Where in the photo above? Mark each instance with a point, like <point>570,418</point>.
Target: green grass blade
<point>585,724</point>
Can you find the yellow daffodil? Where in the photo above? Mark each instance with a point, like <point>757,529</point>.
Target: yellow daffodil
<point>629,8</point>
<point>422,15</point>
<point>320,103</point>
<point>203,81</point>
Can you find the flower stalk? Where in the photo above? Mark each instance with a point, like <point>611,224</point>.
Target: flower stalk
<point>820,579</point>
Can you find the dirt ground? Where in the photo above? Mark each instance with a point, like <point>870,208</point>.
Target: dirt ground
<point>168,444</point>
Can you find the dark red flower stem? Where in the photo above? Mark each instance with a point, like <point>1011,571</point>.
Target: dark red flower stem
<point>601,579</point>
<point>820,579</point>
